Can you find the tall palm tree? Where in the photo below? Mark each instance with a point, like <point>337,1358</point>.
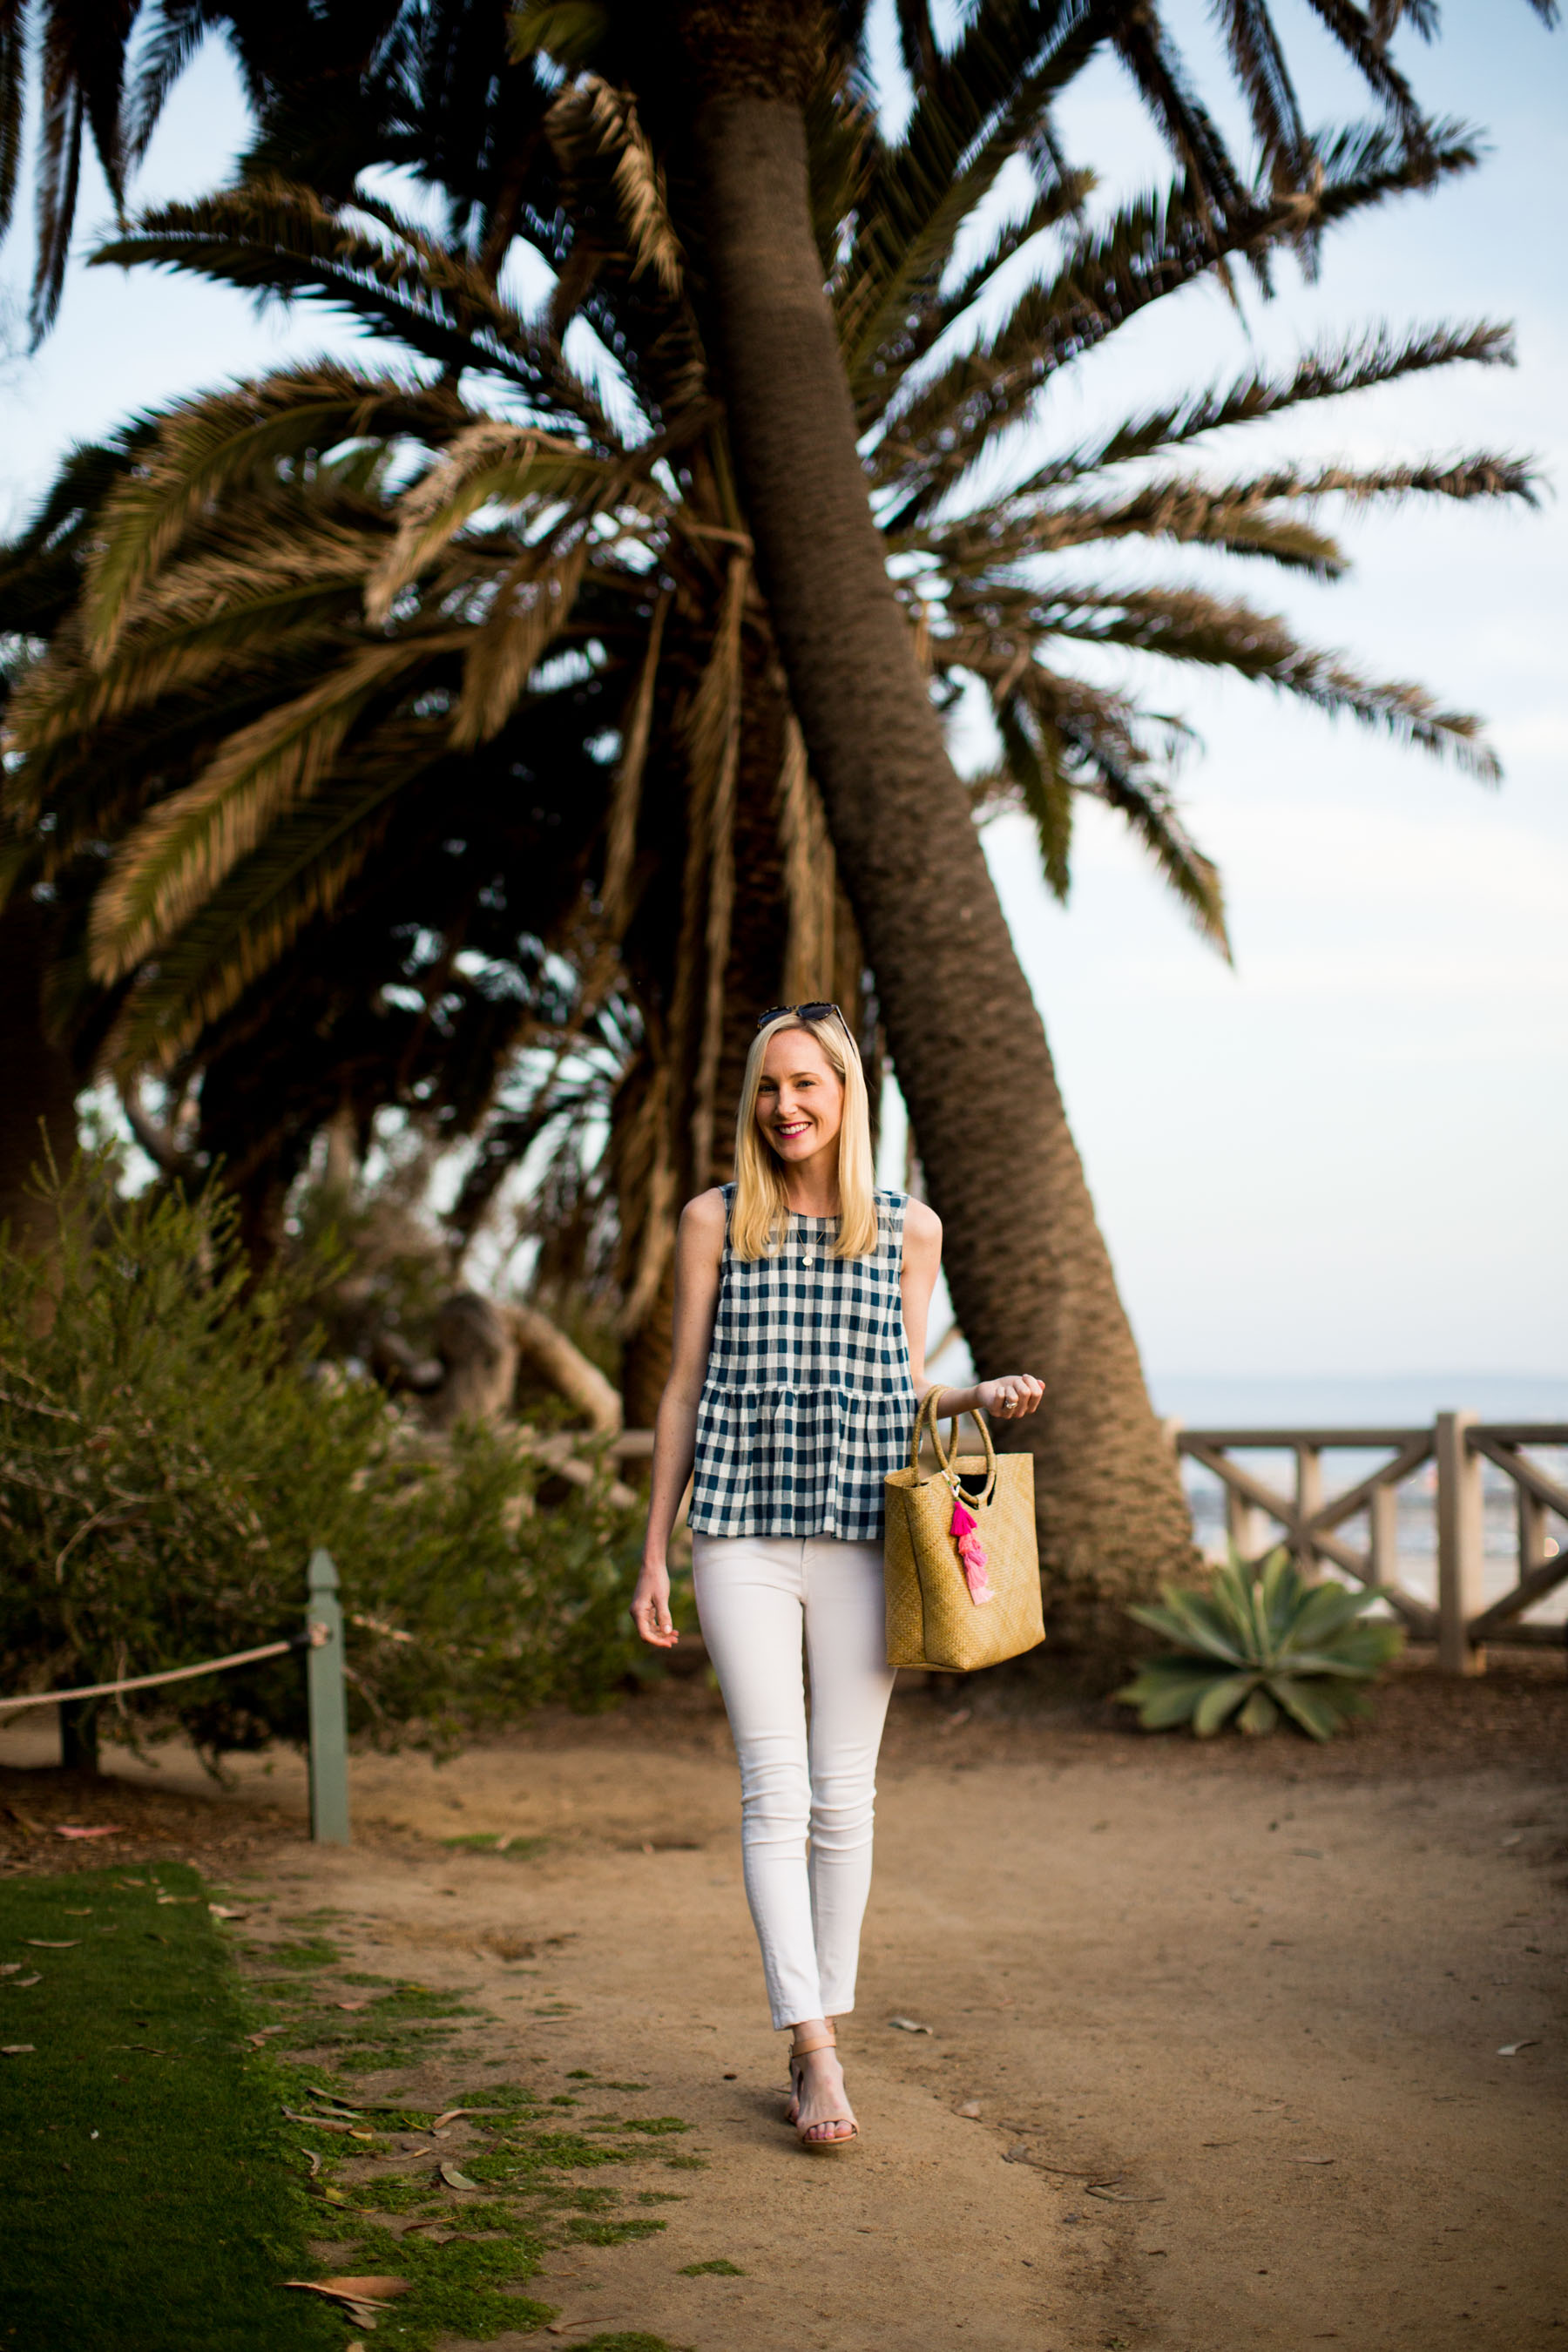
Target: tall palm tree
<point>731,94</point>
<point>266,541</point>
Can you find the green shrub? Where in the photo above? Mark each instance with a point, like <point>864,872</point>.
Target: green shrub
<point>170,1453</point>
<point>1260,1644</point>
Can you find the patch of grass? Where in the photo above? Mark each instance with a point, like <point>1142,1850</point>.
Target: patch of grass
<point>686,2164</point>
<point>719,2268</point>
<point>598,2083</point>
<point>395,2195</point>
<point>147,2194</point>
<point>657,2126</point>
<point>612,2233</point>
<point>458,2289</point>
<point>517,2147</point>
<point>623,2342</point>
<point>402,2023</point>
<point>300,1952</point>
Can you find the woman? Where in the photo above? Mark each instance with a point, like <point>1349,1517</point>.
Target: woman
<point>800,1316</point>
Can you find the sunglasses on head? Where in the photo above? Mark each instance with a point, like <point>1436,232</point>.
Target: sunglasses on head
<point>800,1011</point>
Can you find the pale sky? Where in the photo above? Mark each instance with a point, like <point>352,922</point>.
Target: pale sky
<point>1348,1156</point>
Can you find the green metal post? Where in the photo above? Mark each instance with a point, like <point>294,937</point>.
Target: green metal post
<point>329,1714</point>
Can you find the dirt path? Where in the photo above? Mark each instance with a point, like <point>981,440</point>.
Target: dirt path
<point>1236,2019</point>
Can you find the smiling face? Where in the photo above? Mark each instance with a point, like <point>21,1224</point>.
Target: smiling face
<point>800,1098</point>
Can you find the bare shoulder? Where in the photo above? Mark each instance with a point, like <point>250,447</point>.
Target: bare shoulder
<point>923,1228</point>
<point>702,1222</point>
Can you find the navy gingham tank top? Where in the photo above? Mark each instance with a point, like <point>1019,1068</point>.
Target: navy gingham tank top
<point>808,1402</point>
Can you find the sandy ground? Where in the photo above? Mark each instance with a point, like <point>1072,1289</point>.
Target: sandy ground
<point>1232,2019</point>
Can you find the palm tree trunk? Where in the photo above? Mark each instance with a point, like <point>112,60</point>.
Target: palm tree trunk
<point>1030,1276</point>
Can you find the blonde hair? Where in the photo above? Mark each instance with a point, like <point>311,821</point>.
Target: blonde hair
<point>760,1215</point>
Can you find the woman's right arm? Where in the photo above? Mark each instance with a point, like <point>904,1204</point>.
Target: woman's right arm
<point>698,1254</point>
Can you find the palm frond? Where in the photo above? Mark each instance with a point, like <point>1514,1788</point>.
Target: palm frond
<point>1327,372</point>
<point>1156,70</point>
<point>1258,63</point>
<point>1152,246</point>
<point>1241,517</point>
<point>496,463</point>
<point>532,604</point>
<point>300,868</point>
<point>13,88</point>
<point>983,104</point>
<point>210,442</point>
<point>1033,750</point>
<point>186,844</point>
<point>1095,742</point>
<point>272,238</point>
<point>590,111</point>
<point>1183,625</point>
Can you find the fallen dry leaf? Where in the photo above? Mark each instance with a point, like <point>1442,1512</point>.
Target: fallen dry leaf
<point>222,1911</point>
<point>351,2006</point>
<point>312,2160</point>
<point>908,2025</point>
<point>9,1968</point>
<point>450,2114</point>
<point>970,2109</point>
<point>15,2049</point>
<point>44,1944</point>
<point>98,1829</point>
<point>23,1983</point>
<point>456,2180</point>
<point>77,1910</point>
<point>327,2124</point>
<point>362,2298</point>
<point>255,2040</point>
<point>1512,2049</point>
<point>1310,2159</point>
<point>26,1820</point>
<point>1119,2196</point>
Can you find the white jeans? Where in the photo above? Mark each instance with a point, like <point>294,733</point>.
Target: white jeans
<point>755,1594</point>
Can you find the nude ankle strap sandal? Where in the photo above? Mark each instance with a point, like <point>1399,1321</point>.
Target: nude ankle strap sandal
<point>798,2050</point>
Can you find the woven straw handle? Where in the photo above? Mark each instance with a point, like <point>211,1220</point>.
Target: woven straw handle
<point>928,1412</point>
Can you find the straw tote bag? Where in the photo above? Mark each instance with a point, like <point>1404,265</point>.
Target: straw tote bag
<point>960,1564</point>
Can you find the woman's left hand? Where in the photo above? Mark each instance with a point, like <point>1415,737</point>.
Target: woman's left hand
<point>1010,1398</point>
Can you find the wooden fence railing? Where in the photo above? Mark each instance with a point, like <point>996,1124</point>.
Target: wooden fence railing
<point>1463,1622</point>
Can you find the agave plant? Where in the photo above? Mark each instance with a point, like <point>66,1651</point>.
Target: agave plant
<point>1260,1643</point>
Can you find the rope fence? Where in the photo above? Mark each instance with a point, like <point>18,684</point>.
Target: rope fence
<point>146,1681</point>
<point>321,1638</point>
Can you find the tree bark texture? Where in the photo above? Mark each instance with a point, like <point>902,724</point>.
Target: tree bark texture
<point>1030,1276</point>
<point>38,1079</point>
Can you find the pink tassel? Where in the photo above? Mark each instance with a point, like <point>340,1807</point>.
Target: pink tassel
<point>971,1553</point>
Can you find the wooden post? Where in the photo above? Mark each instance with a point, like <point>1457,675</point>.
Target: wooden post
<point>1309,1498</point>
<point>1532,1531</point>
<point>1383,1535</point>
<point>1460,1545</point>
<point>1245,1526</point>
<point>328,1713</point>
